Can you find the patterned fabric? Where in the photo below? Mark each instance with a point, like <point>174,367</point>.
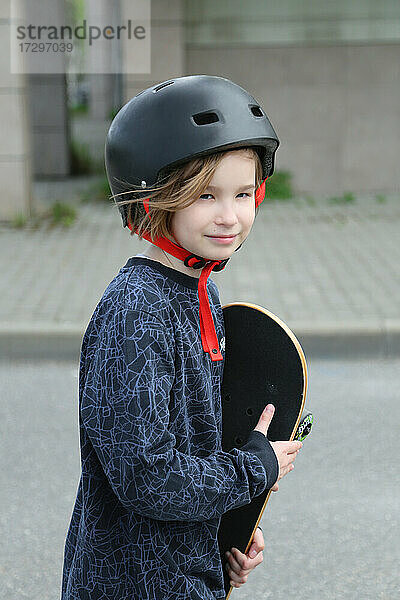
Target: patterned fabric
<point>154,481</point>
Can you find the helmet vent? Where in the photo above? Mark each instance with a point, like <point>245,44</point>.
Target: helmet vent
<point>205,118</point>
<point>256,110</point>
<point>163,85</point>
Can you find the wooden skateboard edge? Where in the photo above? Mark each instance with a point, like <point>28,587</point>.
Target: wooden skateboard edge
<point>304,366</point>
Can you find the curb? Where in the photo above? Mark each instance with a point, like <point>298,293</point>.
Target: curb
<point>350,339</point>
<point>41,341</point>
<point>345,340</point>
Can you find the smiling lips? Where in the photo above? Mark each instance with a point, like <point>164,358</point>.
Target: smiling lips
<point>223,236</point>
<point>222,239</point>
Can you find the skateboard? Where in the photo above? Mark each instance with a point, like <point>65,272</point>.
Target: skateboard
<point>264,363</point>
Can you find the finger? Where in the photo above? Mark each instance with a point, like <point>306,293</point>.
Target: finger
<point>284,471</point>
<point>246,564</point>
<point>235,579</point>
<point>236,574</point>
<point>290,447</point>
<point>256,560</point>
<point>253,551</point>
<point>289,469</point>
<point>239,576</point>
<point>265,419</point>
<point>293,447</point>
<point>233,567</point>
<point>289,460</point>
<point>257,544</point>
<point>241,563</point>
<point>235,584</point>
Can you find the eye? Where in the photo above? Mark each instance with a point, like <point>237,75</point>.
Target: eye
<point>241,194</point>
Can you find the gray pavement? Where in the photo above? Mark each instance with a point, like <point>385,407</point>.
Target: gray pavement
<point>331,532</point>
<point>330,271</point>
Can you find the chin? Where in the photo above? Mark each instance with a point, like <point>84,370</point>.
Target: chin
<point>213,253</point>
<point>222,252</point>
<point>219,254</point>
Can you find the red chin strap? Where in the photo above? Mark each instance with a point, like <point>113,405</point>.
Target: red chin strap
<point>207,329</point>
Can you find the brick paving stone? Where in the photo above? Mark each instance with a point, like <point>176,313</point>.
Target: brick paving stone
<point>306,263</point>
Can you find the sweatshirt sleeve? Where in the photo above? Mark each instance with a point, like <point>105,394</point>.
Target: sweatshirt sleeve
<point>125,411</point>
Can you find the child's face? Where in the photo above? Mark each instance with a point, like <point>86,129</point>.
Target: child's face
<point>227,207</point>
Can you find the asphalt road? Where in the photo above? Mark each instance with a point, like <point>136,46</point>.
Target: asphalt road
<point>332,531</point>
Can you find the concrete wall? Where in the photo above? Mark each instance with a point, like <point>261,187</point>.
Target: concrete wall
<point>49,125</point>
<point>268,22</point>
<point>48,110</point>
<point>335,108</point>
<point>15,150</point>
<point>101,84</point>
<point>167,47</point>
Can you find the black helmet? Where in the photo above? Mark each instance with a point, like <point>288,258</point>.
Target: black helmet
<point>175,121</point>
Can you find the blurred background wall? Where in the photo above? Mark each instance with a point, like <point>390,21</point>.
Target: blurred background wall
<point>327,73</point>
<point>15,130</point>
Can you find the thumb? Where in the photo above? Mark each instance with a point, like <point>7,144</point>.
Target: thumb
<point>257,544</point>
<point>254,550</point>
<point>265,419</point>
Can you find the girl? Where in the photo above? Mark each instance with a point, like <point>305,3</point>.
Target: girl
<point>187,161</point>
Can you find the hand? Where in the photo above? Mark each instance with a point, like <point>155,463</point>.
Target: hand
<point>286,452</point>
<point>239,565</point>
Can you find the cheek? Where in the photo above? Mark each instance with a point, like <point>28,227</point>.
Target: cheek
<point>249,216</point>
<point>182,225</point>
<point>191,219</point>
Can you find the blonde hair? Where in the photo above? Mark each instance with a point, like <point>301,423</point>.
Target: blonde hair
<point>177,189</point>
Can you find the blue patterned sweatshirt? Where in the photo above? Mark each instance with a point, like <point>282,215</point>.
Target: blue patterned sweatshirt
<point>155,481</point>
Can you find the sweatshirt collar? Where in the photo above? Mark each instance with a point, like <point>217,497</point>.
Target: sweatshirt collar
<point>170,272</point>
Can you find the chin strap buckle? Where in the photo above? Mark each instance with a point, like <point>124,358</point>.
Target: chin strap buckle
<point>198,262</point>
<point>221,265</point>
<point>194,262</point>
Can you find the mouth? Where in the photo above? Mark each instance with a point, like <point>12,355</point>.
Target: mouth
<point>230,237</point>
<point>222,239</point>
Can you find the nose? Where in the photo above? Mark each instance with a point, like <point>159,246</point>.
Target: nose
<point>226,214</point>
